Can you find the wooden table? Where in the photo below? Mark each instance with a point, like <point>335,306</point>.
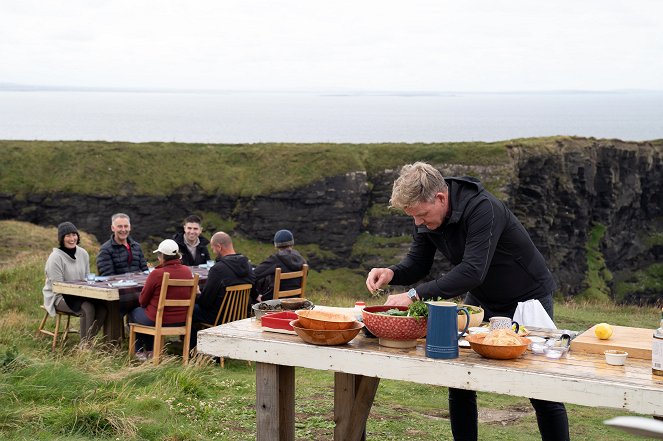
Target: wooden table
<point>112,295</point>
<point>579,378</point>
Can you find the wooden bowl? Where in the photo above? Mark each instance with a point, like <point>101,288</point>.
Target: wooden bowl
<point>495,351</point>
<point>392,329</point>
<point>475,319</point>
<point>324,320</point>
<point>326,337</point>
<point>294,303</point>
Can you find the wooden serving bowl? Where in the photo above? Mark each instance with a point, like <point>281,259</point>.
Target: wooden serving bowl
<point>326,337</point>
<point>394,331</point>
<point>294,303</point>
<point>475,319</point>
<point>495,351</point>
<point>324,320</point>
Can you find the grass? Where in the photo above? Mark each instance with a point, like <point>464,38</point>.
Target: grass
<point>77,394</point>
<point>247,169</point>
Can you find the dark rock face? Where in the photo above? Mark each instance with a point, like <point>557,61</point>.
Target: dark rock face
<point>558,194</point>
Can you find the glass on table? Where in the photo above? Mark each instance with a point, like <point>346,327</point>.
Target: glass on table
<point>210,263</point>
<point>91,278</point>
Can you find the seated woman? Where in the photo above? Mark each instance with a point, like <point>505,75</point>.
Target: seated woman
<point>69,263</point>
<point>170,261</point>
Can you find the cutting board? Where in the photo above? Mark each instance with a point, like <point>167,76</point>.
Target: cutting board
<point>636,341</point>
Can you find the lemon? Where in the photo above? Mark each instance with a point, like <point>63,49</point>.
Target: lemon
<point>603,331</point>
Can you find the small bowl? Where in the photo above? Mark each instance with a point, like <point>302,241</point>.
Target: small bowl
<point>294,303</point>
<point>326,337</point>
<point>615,357</point>
<point>497,352</point>
<point>475,319</point>
<point>554,352</point>
<point>324,320</point>
<point>266,307</point>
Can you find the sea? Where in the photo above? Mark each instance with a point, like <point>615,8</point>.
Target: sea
<point>326,117</point>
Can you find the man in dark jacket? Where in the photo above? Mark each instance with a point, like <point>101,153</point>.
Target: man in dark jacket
<point>193,246</point>
<point>230,268</point>
<point>120,255</point>
<point>286,258</point>
<point>495,260</point>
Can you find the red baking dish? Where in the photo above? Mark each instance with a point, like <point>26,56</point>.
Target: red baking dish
<point>278,322</point>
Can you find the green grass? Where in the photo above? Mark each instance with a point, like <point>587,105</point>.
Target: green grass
<point>238,169</point>
<point>77,394</point>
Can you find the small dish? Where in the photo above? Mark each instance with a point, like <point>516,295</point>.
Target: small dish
<point>124,283</point>
<point>554,352</point>
<point>101,278</point>
<point>615,357</point>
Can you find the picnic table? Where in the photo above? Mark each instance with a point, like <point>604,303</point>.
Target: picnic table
<point>113,290</point>
<point>578,378</point>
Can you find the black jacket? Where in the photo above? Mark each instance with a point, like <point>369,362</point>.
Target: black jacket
<point>202,253</point>
<point>288,260</point>
<point>113,258</point>
<point>233,269</point>
<point>494,257</point>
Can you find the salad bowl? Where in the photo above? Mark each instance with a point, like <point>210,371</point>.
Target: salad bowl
<point>394,331</point>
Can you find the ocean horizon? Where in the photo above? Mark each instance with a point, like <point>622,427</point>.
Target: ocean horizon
<point>330,116</point>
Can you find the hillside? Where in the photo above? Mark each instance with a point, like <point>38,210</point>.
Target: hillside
<point>593,207</point>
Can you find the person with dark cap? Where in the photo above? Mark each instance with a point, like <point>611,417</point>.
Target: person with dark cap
<point>169,262</point>
<point>70,262</point>
<point>193,246</point>
<point>286,258</point>
<point>230,268</point>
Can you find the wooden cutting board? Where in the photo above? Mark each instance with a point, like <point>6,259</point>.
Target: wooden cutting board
<point>636,341</point>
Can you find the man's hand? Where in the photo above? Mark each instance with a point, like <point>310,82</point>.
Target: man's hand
<point>377,278</point>
<point>398,300</point>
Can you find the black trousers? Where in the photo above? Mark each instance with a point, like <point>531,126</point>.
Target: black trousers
<point>550,416</point>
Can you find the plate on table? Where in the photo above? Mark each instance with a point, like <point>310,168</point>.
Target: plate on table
<point>124,283</point>
<point>101,278</point>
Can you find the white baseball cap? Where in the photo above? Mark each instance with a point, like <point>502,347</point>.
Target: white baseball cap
<point>168,247</point>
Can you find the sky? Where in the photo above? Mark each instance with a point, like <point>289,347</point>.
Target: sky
<point>354,45</point>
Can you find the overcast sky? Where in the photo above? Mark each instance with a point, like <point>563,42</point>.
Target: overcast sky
<point>432,45</point>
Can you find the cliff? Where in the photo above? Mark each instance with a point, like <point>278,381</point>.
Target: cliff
<point>593,207</point>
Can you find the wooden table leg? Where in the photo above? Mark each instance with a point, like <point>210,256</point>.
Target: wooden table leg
<point>113,325</point>
<point>353,399</point>
<point>275,402</point>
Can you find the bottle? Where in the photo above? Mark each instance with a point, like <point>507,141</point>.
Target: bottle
<point>657,349</point>
<point>359,306</point>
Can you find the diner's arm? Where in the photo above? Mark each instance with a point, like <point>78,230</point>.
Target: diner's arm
<point>105,265</point>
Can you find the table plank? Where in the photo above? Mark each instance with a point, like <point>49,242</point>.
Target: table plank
<point>580,379</point>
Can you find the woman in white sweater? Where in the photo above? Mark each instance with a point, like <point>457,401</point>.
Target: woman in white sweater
<point>70,262</point>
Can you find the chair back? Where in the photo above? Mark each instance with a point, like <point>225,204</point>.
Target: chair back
<point>165,302</point>
<point>279,276</point>
<point>235,305</point>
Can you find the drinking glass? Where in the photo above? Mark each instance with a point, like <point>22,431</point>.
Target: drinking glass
<point>91,277</point>
<point>210,263</point>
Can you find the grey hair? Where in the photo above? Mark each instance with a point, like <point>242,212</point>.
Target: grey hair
<point>418,182</point>
<point>117,215</point>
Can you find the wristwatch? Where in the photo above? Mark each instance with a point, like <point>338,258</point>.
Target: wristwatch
<point>412,295</point>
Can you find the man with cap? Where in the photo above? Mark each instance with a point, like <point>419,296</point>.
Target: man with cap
<point>286,258</point>
<point>230,268</point>
<point>193,246</point>
<point>169,262</point>
<point>70,262</point>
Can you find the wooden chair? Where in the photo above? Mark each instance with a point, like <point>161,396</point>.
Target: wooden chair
<point>56,331</point>
<point>159,331</point>
<point>278,276</point>
<point>235,306</point>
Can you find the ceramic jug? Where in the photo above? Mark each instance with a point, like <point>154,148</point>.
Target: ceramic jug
<point>442,333</point>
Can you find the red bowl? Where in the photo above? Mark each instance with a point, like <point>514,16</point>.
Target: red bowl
<point>391,327</point>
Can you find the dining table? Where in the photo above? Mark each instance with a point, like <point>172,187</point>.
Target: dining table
<point>576,378</point>
<point>114,290</point>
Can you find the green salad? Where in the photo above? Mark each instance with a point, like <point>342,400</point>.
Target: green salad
<point>416,309</point>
